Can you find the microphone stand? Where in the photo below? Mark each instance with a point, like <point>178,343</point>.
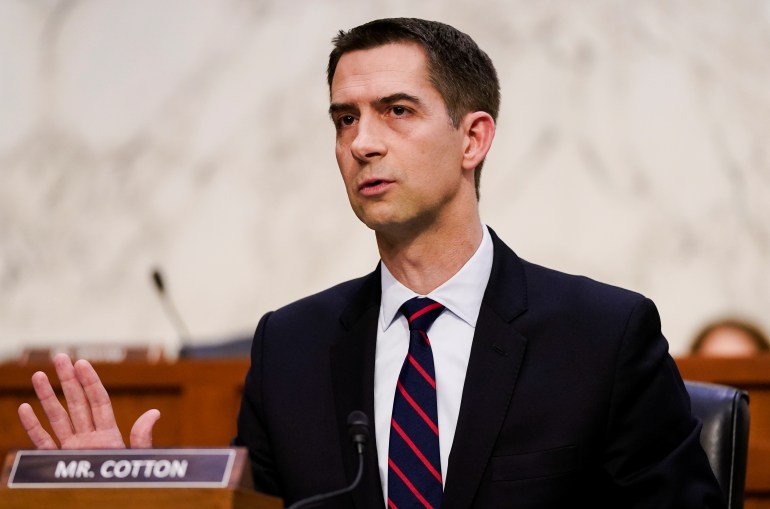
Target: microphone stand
<point>319,498</point>
<point>358,429</point>
<point>171,312</point>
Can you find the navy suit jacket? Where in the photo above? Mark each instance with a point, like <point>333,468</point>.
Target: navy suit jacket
<point>570,400</point>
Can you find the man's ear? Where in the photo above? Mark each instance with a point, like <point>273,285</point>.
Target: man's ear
<point>479,128</point>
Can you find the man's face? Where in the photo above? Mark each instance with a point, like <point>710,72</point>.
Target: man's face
<point>399,155</point>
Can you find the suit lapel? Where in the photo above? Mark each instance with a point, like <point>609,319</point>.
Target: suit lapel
<point>352,368</point>
<point>493,367</point>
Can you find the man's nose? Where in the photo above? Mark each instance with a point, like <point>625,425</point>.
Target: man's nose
<point>368,142</point>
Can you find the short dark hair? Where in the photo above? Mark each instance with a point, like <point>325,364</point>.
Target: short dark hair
<point>459,70</point>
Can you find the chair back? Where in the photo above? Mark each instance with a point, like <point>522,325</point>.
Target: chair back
<point>724,412</point>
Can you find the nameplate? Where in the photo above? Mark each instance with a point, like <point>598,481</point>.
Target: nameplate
<point>123,468</point>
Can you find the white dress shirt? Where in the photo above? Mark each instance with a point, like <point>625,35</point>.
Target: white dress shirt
<point>451,336</point>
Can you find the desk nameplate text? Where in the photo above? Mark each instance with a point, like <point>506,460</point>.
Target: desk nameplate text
<point>123,468</point>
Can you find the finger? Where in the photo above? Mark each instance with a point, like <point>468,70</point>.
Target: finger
<point>57,416</point>
<point>39,436</point>
<point>77,403</point>
<point>141,432</point>
<point>98,399</point>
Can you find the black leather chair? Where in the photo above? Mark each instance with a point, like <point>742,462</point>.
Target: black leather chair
<point>725,435</point>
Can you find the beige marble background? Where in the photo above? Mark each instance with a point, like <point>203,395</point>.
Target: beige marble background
<point>191,135</point>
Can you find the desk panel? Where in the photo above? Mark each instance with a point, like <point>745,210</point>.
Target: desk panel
<point>198,399</point>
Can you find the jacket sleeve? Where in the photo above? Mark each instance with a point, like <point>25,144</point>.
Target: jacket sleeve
<point>653,452</point>
<point>252,431</point>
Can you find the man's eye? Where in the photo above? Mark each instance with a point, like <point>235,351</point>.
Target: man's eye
<point>399,111</point>
<point>346,120</point>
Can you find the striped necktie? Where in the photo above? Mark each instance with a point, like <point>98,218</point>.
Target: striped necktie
<point>414,463</point>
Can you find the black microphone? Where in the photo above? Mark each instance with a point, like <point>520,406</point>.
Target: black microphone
<point>168,306</point>
<point>358,429</point>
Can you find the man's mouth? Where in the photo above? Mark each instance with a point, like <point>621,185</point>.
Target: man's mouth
<point>372,183</point>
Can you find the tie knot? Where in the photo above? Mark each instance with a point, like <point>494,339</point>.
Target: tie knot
<point>421,312</point>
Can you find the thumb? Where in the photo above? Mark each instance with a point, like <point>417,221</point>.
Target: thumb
<point>141,432</point>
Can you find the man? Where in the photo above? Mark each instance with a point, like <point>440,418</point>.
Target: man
<point>548,390</point>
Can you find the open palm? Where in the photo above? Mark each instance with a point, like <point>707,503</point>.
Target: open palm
<point>88,422</point>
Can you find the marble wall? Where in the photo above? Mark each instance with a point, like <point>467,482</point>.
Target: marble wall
<point>633,146</point>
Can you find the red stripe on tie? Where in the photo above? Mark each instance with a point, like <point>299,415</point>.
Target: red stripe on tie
<point>414,448</point>
<point>424,337</point>
<point>391,505</point>
<point>417,408</point>
<point>424,310</point>
<point>424,373</point>
<point>409,485</point>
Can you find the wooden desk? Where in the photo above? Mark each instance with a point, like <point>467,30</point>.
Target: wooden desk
<point>198,399</point>
<point>752,375</point>
<point>131,498</point>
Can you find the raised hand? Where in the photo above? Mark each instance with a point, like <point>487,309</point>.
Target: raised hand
<point>90,422</point>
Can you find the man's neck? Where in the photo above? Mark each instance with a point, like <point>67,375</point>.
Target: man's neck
<point>424,261</point>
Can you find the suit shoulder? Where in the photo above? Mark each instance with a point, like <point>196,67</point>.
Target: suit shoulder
<point>554,285</point>
<point>330,302</point>
<point>593,314</point>
<point>535,287</point>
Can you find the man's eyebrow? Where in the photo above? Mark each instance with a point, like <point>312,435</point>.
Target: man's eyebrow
<point>397,97</point>
<point>340,107</point>
<point>336,108</point>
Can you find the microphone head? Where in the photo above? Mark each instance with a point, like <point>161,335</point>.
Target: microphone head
<point>157,279</point>
<point>358,427</point>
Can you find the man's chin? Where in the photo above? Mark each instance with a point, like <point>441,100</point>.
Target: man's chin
<point>377,220</point>
<point>379,225</point>
<point>387,221</point>
<point>395,229</point>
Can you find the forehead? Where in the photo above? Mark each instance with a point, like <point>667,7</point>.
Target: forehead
<point>380,71</point>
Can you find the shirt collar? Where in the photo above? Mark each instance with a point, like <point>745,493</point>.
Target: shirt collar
<point>461,294</point>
